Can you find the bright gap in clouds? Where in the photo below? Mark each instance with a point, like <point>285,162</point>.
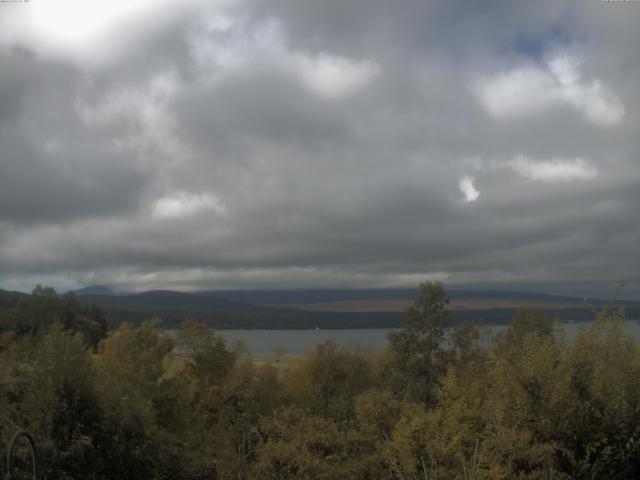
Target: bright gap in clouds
<point>89,31</point>
<point>184,204</point>
<point>75,20</point>
<point>334,76</point>
<point>468,189</point>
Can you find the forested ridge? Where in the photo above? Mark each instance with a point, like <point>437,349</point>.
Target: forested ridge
<point>128,404</point>
<point>305,309</point>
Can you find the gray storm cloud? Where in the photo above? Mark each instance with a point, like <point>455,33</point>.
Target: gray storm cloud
<point>284,144</point>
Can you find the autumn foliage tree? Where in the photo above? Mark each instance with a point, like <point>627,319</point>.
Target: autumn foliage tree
<point>442,402</point>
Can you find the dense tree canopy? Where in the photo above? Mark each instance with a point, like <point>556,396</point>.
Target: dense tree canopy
<point>440,403</point>
<point>34,315</point>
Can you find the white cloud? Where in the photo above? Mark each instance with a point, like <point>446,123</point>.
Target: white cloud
<point>531,90</point>
<point>468,189</point>
<point>551,171</point>
<point>517,93</point>
<point>185,204</point>
<point>333,76</point>
<point>147,105</point>
<point>228,45</point>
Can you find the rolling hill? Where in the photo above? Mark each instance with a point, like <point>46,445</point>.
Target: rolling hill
<point>275,309</point>
<point>322,308</point>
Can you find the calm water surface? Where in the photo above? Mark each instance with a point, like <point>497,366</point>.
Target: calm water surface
<point>296,342</point>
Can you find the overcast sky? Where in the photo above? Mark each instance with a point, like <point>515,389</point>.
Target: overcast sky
<point>283,143</point>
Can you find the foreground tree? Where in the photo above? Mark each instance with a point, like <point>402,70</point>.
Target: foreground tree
<point>49,390</point>
<point>418,348</point>
<point>146,408</point>
<point>328,380</point>
<point>210,359</point>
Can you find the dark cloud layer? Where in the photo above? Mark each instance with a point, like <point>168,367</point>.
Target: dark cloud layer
<point>287,144</point>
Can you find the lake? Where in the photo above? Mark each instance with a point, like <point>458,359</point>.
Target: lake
<point>297,342</point>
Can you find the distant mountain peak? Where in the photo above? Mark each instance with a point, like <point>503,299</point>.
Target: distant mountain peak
<point>94,290</point>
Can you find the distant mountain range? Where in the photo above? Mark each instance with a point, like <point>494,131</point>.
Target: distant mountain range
<point>93,290</point>
<point>327,308</point>
<point>175,307</point>
<point>304,296</point>
<point>9,298</point>
<point>321,308</point>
